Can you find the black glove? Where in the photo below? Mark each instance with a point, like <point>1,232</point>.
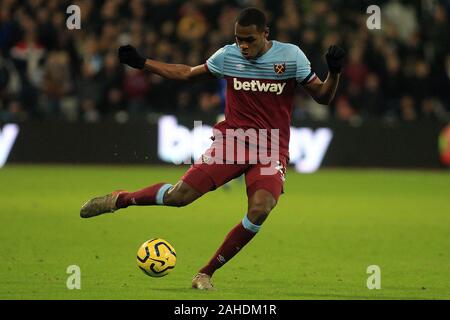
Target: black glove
<point>335,59</point>
<point>129,55</point>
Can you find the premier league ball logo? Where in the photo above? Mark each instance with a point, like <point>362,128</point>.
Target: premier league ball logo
<point>279,68</point>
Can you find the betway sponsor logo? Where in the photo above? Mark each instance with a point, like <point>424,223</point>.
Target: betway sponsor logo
<point>256,85</point>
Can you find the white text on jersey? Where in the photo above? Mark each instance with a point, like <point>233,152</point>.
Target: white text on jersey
<point>256,85</point>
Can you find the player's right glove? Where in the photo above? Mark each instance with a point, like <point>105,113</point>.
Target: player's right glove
<point>335,59</point>
<point>129,55</point>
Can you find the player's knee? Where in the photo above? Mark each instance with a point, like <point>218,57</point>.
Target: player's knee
<point>260,205</point>
<point>258,212</point>
<point>176,199</point>
<point>262,210</point>
<point>181,201</point>
<point>179,196</point>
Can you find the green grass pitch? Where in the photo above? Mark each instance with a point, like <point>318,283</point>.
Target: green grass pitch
<point>317,243</point>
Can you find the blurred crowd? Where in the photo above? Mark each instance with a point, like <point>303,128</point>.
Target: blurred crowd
<point>47,71</point>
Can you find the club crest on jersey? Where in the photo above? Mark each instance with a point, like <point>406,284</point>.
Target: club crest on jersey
<point>279,68</point>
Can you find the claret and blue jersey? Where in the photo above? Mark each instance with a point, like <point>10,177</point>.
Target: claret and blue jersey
<point>260,92</point>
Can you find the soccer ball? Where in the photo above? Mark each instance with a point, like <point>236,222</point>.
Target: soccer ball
<point>156,257</point>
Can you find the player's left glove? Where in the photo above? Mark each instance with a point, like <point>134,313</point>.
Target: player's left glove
<point>129,55</point>
<point>335,58</point>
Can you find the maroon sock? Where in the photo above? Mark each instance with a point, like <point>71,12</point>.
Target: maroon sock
<point>236,239</point>
<point>144,197</point>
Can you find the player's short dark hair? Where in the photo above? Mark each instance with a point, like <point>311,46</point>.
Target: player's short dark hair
<point>250,16</point>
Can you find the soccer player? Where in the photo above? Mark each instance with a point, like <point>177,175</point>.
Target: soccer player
<point>262,76</point>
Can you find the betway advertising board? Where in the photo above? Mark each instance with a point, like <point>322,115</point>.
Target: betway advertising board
<point>176,140</point>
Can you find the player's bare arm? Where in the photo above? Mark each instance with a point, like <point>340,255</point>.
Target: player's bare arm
<point>324,92</point>
<point>177,71</point>
<point>128,55</point>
